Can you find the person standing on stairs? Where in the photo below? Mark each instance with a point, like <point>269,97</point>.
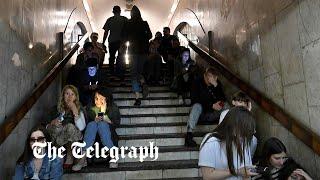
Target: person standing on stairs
<point>207,100</point>
<point>138,33</point>
<point>98,48</point>
<point>114,25</point>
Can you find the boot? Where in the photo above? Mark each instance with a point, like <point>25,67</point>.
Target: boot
<point>189,142</point>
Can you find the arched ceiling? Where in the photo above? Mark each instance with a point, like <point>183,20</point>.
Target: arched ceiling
<point>156,12</point>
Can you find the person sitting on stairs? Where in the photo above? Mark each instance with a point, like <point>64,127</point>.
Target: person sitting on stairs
<point>101,116</point>
<point>207,100</point>
<point>240,99</point>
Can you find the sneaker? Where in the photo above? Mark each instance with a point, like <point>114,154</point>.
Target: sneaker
<point>145,90</point>
<point>113,165</point>
<point>181,100</point>
<point>137,102</point>
<point>81,163</point>
<point>69,160</point>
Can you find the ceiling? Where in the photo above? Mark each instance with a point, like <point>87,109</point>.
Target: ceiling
<point>156,12</point>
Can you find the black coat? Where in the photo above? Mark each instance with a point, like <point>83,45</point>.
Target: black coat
<point>206,95</point>
<point>138,33</point>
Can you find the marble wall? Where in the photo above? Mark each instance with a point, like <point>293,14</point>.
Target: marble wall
<point>27,38</point>
<point>273,45</point>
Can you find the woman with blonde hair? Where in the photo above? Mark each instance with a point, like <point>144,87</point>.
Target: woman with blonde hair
<point>66,121</point>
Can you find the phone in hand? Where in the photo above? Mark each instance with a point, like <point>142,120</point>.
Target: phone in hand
<point>100,114</point>
<point>259,170</point>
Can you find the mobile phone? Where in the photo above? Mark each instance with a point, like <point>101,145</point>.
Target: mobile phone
<point>61,117</point>
<point>259,170</point>
<point>100,114</point>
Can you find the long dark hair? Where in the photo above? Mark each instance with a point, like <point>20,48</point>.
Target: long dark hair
<point>270,147</point>
<point>105,92</point>
<point>237,130</point>
<point>27,154</point>
<point>275,146</point>
<point>185,50</point>
<point>135,14</point>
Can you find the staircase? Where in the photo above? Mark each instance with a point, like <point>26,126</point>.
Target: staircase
<point>159,119</point>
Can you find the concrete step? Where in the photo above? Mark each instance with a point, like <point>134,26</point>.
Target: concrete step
<point>160,128</point>
<point>174,118</point>
<point>153,110</point>
<point>170,153</point>
<point>151,88</point>
<point>127,84</point>
<point>137,170</point>
<point>152,94</point>
<point>149,101</point>
<point>172,139</point>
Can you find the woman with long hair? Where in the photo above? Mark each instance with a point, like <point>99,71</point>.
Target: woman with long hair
<point>138,33</point>
<point>103,117</point>
<point>30,167</point>
<point>66,121</point>
<point>225,153</point>
<point>276,165</point>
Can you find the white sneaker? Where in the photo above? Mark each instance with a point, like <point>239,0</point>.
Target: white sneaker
<point>82,163</point>
<point>113,165</point>
<point>69,160</point>
<point>180,101</point>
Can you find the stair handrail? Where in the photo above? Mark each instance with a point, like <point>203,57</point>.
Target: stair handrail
<point>299,130</point>
<point>13,120</point>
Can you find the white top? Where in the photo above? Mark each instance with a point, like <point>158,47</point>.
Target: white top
<point>223,114</point>
<point>81,121</point>
<point>213,154</point>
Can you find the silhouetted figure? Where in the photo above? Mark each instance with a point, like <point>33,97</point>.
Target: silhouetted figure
<point>138,33</point>
<point>153,64</point>
<point>115,25</point>
<point>165,47</point>
<point>98,48</point>
<point>85,55</point>
<point>89,80</point>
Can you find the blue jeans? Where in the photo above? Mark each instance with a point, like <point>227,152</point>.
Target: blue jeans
<point>100,127</point>
<point>196,111</point>
<point>137,63</point>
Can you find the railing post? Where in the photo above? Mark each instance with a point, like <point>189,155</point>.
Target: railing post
<point>210,38</point>
<point>60,44</point>
<point>60,57</point>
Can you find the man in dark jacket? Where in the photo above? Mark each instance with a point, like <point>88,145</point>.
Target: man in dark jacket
<point>207,99</point>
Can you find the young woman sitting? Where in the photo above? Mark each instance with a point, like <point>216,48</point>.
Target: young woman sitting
<point>101,116</point>
<point>225,153</point>
<point>275,164</point>
<point>30,167</point>
<point>66,121</point>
